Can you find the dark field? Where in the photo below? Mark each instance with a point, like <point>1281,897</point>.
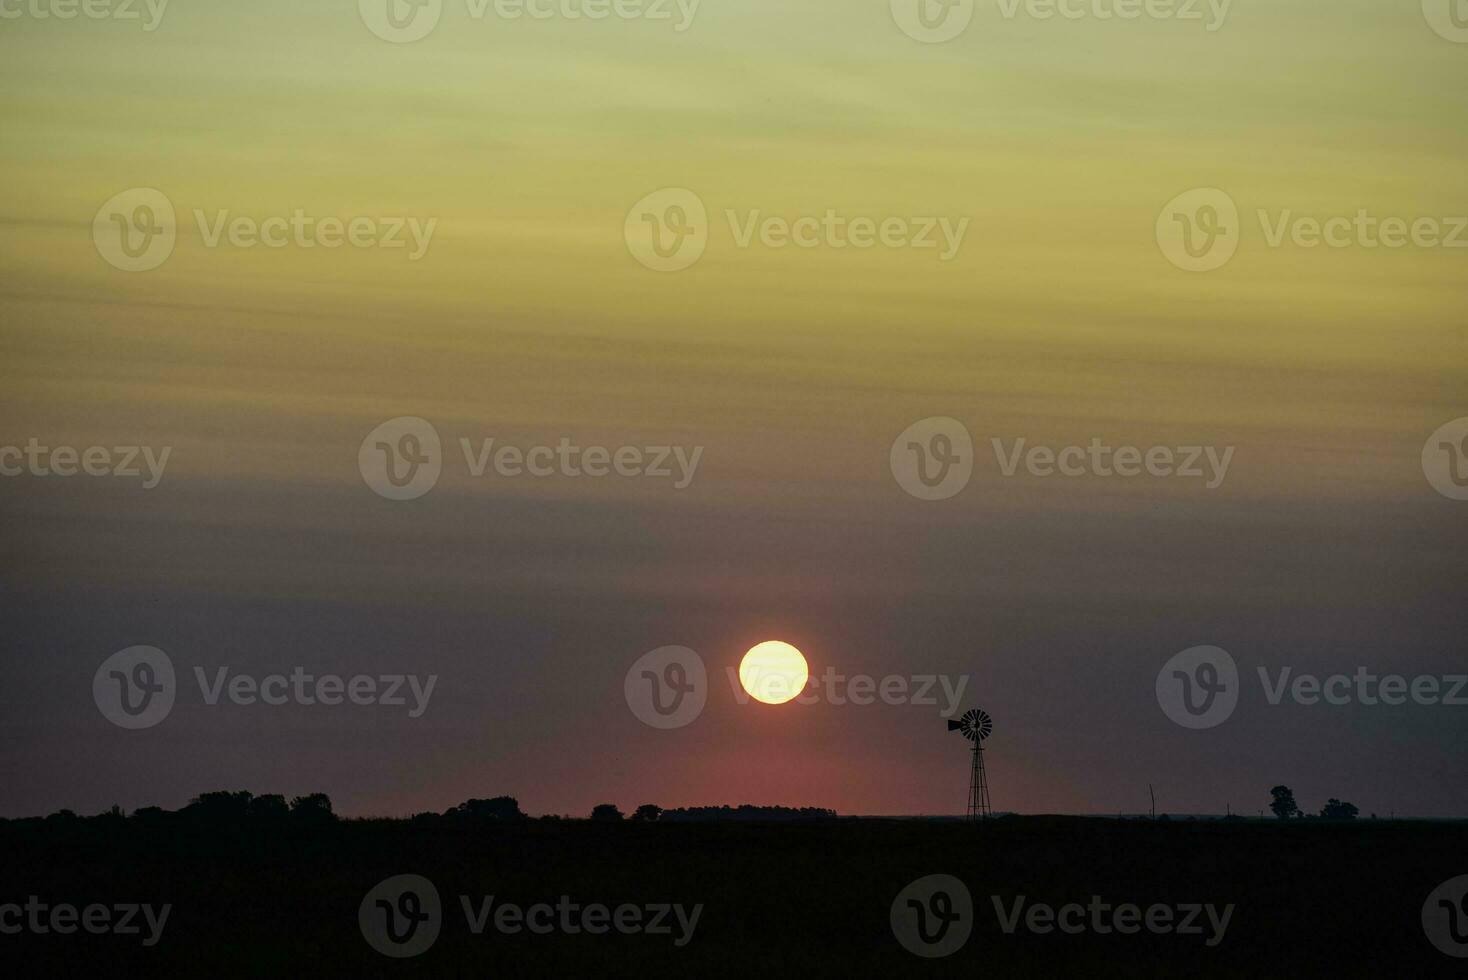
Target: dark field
<point>1311,899</point>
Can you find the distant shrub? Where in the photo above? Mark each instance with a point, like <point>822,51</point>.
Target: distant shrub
<point>747,812</point>
<point>271,806</point>
<point>313,807</point>
<point>498,808</point>
<point>221,806</point>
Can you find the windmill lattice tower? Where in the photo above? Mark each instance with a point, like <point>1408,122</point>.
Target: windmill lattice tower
<point>976,725</point>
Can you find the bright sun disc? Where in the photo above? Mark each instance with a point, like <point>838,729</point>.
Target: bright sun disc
<point>773,672</point>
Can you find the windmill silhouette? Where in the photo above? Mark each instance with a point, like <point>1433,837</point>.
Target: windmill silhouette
<point>976,725</point>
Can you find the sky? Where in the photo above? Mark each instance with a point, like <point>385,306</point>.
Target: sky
<point>529,318</point>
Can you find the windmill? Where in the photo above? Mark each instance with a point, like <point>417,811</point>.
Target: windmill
<point>976,725</point>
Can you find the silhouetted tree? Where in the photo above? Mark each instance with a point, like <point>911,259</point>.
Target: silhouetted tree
<point>747,812</point>
<point>606,811</point>
<point>1334,809</point>
<point>220,807</point>
<point>271,806</point>
<point>312,807</point>
<point>498,808</point>
<point>648,812</point>
<point>1283,804</point>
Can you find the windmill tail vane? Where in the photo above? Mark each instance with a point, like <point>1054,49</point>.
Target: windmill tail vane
<point>976,726</point>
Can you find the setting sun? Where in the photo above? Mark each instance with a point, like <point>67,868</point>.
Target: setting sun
<point>773,672</point>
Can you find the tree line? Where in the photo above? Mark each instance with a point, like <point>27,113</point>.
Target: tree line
<point>1283,805</point>
<point>244,807</point>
